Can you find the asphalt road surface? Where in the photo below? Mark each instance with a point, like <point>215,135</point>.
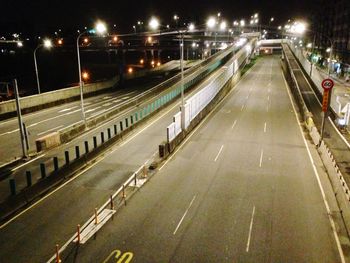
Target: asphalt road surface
<point>53,119</point>
<point>241,189</point>
<point>32,234</point>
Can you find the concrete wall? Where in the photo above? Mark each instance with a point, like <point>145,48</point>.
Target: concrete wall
<point>40,101</point>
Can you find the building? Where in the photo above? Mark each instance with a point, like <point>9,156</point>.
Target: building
<point>331,24</point>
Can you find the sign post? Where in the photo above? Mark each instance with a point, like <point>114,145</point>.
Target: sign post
<point>327,85</point>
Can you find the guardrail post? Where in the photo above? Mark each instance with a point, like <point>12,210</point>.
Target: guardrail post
<point>112,204</point>
<point>102,137</point>
<point>66,157</point>
<point>58,260</point>
<point>121,125</point>
<point>126,123</point>
<point>109,133</point>
<point>13,186</point>
<point>42,170</point>
<point>131,120</point>
<point>86,143</point>
<point>96,218</point>
<point>29,178</point>
<point>136,117</point>
<point>55,163</point>
<point>135,179</point>
<point>77,152</point>
<point>115,129</point>
<point>78,234</point>
<point>95,142</point>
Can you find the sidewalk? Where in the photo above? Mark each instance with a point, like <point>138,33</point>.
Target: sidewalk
<point>341,91</point>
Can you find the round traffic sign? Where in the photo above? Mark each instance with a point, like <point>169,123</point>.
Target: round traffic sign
<point>327,84</point>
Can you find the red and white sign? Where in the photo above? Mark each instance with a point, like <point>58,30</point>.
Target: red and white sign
<point>327,84</point>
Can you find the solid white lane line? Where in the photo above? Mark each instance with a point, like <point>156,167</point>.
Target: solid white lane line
<point>234,124</point>
<point>184,215</point>
<point>55,128</point>
<point>250,230</point>
<point>217,156</point>
<point>261,157</point>
<point>32,160</point>
<point>265,127</point>
<point>329,213</point>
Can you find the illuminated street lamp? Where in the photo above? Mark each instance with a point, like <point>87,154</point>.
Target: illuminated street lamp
<point>154,23</point>
<point>100,28</point>
<point>211,22</point>
<point>47,44</point>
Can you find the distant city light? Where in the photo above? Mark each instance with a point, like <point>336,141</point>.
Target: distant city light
<point>130,70</point>
<point>85,75</point>
<point>191,27</point>
<point>19,44</point>
<point>223,25</point>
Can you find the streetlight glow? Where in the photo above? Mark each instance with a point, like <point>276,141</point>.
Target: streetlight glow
<point>223,25</point>
<point>19,44</point>
<point>242,22</point>
<point>211,22</point>
<point>47,43</point>
<point>100,27</point>
<point>154,23</point>
<point>191,27</point>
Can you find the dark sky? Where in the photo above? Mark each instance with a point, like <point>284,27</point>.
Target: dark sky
<point>38,16</point>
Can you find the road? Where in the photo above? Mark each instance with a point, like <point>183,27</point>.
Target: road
<point>241,189</point>
<point>52,119</point>
<point>34,232</point>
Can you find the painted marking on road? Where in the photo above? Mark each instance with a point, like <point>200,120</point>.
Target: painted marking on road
<point>329,213</point>
<point>242,107</point>
<point>184,215</point>
<point>204,120</point>
<point>261,157</point>
<point>265,127</point>
<point>267,108</point>
<point>234,124</point>
<point>125,98</point>
<point>68,109</point>
<point>52,129</point>
<point>118,100</point>
<point>90,110</point>
<point>122,258</point>
<point>9,132</point>
<point>217,156</point>
<point>268,98</point>
<point>250,230</point>
<point>268,90</point>
<point>247,96</point>
<point>107,97</point>
<point>87,103</point>
<point>107,104</point>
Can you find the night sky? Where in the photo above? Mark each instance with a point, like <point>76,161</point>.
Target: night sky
<point>46,16</point>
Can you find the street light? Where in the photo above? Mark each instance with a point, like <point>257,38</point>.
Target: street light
<point>47,44</point>
<point>154,23</point>
<point>211,22</point>
<point>100,28</point>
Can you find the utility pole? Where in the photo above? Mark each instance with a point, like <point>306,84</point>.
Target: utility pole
<point>20,122</point>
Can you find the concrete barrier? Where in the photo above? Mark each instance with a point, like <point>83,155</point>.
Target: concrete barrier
<point>52,98</point>
<point>336,178</point>
<point>48,141</point>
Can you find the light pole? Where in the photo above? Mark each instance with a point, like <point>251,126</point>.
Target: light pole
<point>47,44</point>
<point>154,25</point>
<point>99,28</point>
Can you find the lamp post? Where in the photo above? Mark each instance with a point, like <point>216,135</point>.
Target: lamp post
<point>47,44</point>
<point>99,28</point>
<point>154,25</point>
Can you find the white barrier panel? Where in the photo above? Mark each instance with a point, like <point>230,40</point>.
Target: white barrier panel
<point>187,115</point>
<point>171,132</point>
<point>177,123</point>
<point>195,104</point>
